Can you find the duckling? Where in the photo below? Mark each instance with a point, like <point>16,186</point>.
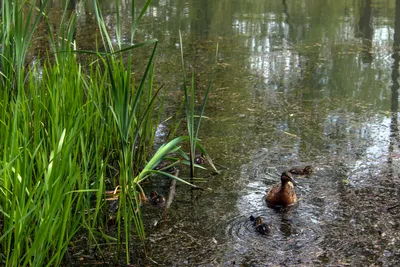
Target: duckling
<point>261,227</point>
<point>299,171</point>
<point>283,194</point>
<point>200,159</point>
<point>157,199</point>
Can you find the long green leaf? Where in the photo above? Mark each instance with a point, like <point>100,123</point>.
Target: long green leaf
<point>141,86</point>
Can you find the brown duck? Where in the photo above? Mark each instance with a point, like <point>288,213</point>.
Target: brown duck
<point>301,171</point>
<point>261,227</point>
<point>282,194</point>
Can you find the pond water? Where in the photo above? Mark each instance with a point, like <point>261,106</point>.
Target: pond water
<point>298,83</point>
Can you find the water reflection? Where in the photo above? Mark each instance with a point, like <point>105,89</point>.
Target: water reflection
<point>365,30</point>
<point>394,130</point>
<point>298,83</point>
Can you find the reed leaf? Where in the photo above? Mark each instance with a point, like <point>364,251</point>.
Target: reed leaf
<point>193,130</point>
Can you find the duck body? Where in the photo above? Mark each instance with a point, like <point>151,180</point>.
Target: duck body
<point>283,193</point>
<point>201,159</point>
<point>261,227</point>
<point>301,171</point>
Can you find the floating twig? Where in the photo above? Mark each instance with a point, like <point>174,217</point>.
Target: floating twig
<point>171,193</point>
<point>393,207</point>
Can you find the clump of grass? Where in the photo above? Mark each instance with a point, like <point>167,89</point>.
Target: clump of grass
<point>132,112</point>
<point>53,147</point>
<point>61,123</point>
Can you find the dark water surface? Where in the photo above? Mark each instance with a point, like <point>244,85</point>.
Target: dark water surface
<point>298,83</point>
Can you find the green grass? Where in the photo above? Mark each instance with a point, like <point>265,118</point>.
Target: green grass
<point>62,125</point>
<point>193,121</point>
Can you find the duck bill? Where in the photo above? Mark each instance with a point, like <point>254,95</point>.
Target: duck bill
<point>293,181</point>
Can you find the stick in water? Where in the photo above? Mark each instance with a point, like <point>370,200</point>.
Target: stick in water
<point>171,193</point>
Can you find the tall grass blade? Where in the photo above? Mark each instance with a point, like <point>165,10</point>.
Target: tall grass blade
<point>193,130</point>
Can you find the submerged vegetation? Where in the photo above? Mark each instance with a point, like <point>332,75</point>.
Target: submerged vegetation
<point>71,130</point>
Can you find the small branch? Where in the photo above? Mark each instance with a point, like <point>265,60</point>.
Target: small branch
<point>393,207</point>
<point>171,193</point>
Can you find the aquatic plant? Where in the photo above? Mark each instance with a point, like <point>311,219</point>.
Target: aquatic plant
<point>132,112</point>
<point>193,121</point>
<point>63,127</point>
<point>44,179</point>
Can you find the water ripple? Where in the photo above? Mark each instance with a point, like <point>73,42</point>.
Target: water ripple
<point>241,228</point>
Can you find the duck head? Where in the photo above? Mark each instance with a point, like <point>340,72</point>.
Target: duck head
<point>287,177</point>
<point>308,169</point>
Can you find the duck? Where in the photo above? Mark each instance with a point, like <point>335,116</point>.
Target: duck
<point>200,159</point>
<point>299,171</point>
<point>157,199</point>
<point>261,227</point>
<point>283,193</point>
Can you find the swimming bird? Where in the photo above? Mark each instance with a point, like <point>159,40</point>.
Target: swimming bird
<point>299,171</point>
<point>261,227</point>
<point>282,194</point>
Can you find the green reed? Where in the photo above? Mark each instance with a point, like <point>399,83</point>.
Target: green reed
<point>193,121</point>
<point>132,109</point>
<point>54,142</point>
<point>44,185</point>
<point>61,126</point>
